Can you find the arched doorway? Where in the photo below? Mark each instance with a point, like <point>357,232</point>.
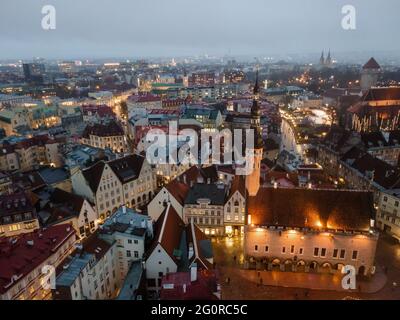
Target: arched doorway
<point>288,265</point>
<point>301,266</point>
<point>313,266</point>
<point>276,265</point>
<point>361,271</point>
<point>326,268</point>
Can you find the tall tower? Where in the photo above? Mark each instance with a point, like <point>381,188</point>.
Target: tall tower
<point>328,60</point>
<point>370,74</point>
<point>322,59</point>
<point>253,179</point>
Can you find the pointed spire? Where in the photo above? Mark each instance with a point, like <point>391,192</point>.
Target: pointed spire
<point>322,59</point>
<point>256,90</point>
<point>329,59</point>
<point>255,114</point>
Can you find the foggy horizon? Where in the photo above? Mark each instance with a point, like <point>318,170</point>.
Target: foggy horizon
<point>178,28</point>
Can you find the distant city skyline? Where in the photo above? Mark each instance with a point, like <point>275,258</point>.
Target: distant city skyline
<point>157,28</point>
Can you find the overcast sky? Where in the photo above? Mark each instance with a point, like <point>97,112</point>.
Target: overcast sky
<point>132,28</point>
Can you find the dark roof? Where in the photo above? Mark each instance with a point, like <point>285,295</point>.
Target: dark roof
<point>178,190</point>
<point>110,129</point>
<point>374,139</point>
<point>54,175</point>
<point>16,203</point>
<point>371,64</point>
<point>28,181</point>
<point>96,246</point>
<point>376,94</point>
<point>73,200</point>
<point>348,210</point>
<point>238,184</point>
<point>215,193</point>
<point>127,168</point>
<point>270,144</point>
<point>93,175</point>
<point>380,171</point>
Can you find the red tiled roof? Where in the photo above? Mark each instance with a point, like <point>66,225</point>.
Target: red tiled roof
<point>178,190</point>
<point>238,184</point>
<point>349,210</point>
<point>19,259</point>
<point>201,289</point>
<point>144,98</point>
<point>371,64</point>
<point>168,231</point>
<point>101,111</point>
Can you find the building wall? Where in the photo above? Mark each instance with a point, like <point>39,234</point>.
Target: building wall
<point>295,246</point>
<point>209,218</point>
<point>234,212</point>
<point>158,264</point>
<point>15,228</point>
<point>108,197</point>
<point>115,143</point>
<point>388,154</point>
<point>388,214</point>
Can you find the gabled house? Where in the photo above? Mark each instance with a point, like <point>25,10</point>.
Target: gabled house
<point>176,247</point>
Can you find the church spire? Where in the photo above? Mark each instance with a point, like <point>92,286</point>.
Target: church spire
<point>255,109</point>
<point>256,151</point>
<point>322,59</point>
<point>255,115</point>
<point>329,59</point>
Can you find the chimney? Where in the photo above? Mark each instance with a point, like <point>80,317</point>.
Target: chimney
<point>193,272</point>
<point>124,209</point>
<point>184,288</point>
<point>191,251</point>
<point>184,178</point>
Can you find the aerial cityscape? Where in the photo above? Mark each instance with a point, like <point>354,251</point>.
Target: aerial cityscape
<point>241,161</point>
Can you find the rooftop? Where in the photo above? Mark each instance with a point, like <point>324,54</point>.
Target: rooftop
<point>21,255</point>
<point>331,209</point>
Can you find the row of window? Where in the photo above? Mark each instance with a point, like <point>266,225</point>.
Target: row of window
<point>207,221</point>
<point>318,252</point>
<point>17,218</point>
